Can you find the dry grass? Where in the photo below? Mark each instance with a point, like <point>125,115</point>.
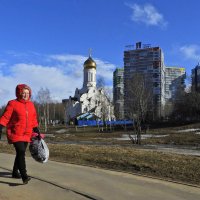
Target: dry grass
<point>91,134</point>
<point>129,159</point>
<point>163,165</point>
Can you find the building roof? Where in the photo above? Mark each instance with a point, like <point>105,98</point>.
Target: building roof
<point>89,63</point>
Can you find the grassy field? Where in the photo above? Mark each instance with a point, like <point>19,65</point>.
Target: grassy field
<point>123,155</point>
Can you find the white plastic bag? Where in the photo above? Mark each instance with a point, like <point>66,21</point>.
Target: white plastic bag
<point>39,150</point>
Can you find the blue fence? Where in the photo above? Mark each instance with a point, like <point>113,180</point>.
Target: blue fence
<point>100,123</point>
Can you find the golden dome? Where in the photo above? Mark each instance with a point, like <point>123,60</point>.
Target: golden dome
<point>89,63</point>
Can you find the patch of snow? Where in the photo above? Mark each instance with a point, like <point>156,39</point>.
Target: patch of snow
<point>188,130</point>
<point>49,135</point>
<point>126,137</point>
<point>61,131</point>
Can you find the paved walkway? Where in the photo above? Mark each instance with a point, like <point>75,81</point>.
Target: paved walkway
<point>62,181</point>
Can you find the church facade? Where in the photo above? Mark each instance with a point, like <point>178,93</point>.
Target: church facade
<point>89,102</point>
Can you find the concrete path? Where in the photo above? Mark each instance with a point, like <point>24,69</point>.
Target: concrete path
<point>62,181</point>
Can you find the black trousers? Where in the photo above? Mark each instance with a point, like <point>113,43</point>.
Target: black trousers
<point>20,163</point>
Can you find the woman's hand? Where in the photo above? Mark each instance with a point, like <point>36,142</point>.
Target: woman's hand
<point>36,130</point>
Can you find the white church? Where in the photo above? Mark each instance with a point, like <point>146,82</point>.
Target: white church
<point>89,102</point>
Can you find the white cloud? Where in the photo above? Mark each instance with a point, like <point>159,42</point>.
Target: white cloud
<point>74,63</point>
<point>147,14</point>
<point>61,75</point>
<point>105,69</point>
<point>191,52</point>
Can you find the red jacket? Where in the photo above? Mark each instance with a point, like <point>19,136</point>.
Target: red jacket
<point>20,118</point>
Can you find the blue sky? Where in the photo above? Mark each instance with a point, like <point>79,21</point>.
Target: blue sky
<point>44,43</point>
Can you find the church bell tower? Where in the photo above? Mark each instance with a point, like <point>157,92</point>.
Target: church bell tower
<point>89,79</point>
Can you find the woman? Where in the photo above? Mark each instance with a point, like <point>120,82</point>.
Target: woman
<point>20,119</point>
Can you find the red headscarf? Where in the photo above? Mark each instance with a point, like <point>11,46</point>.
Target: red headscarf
<point>19,90</point>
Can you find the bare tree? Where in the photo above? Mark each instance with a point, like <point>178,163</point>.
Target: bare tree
<point>56,112</point>
<point>139,103</point>
<point>100,82</point>
<point>105,100</point>
<point>44,99</point>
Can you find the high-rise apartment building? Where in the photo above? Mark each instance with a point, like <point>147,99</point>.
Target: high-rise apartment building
<point>118,93</point>
<point>196,78</point>
<point>174,82</point>
<point>174,85</point>
<point>150,62</point>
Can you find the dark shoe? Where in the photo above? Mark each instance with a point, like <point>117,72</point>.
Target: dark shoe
<point>16,175</point>
<point>26,180</point>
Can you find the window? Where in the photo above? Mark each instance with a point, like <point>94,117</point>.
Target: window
<point>156,84</point>
<point>155,75</point>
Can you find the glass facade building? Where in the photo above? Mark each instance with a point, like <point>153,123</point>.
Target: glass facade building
<point>174,82</point>
<point>196,78</point>
<point>174,86</point>
<point>118,93</point>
